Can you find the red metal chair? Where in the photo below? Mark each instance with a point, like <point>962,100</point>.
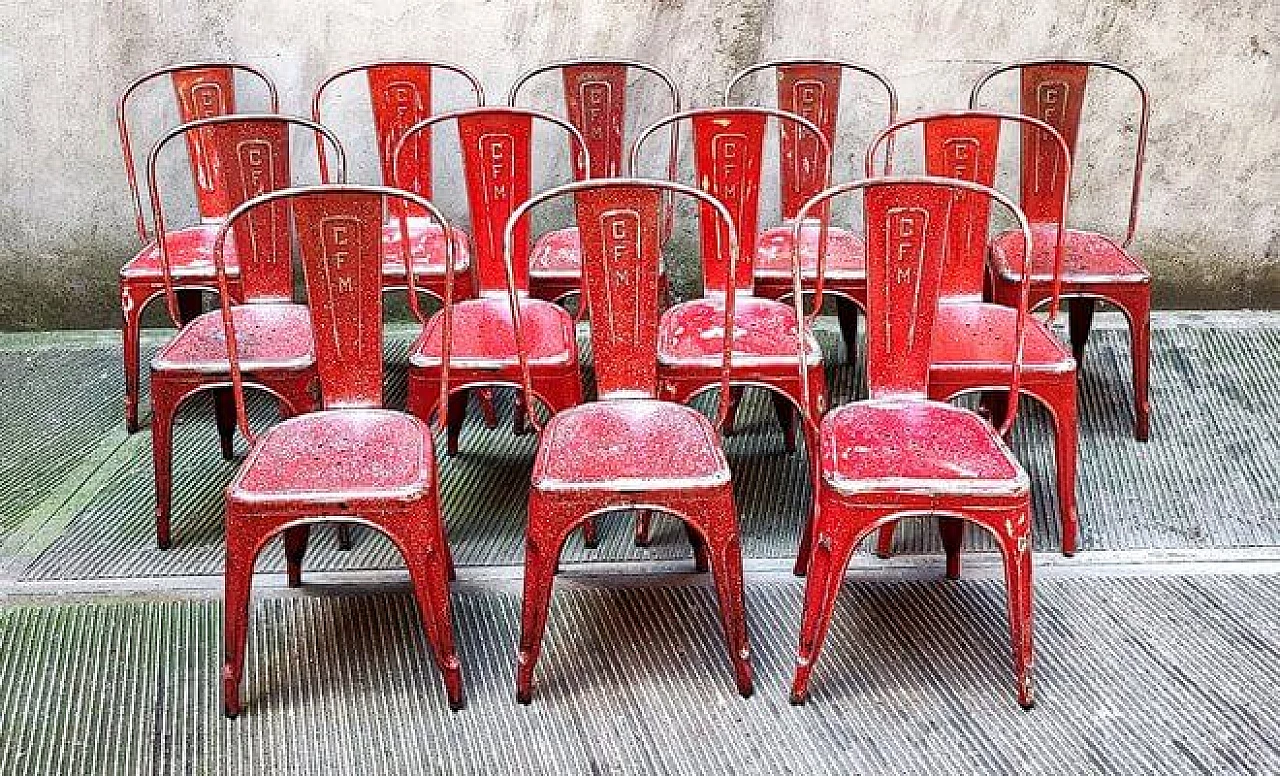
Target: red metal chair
<point>496,145</point>
<point>1095,266</point>
<point>275,347</point>
<point>595,100</point>
<point>971,337</point>
<point>353,461</point>
<point>811,88</point>
<point>899,453</point>
<point>400,95</point>
<point>202,89</point>
<point>615,453</point>
<point>728,145</point>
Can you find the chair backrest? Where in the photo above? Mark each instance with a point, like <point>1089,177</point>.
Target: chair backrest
<point>1052,90</point>
<point>965,145</point>
<point>908,225</point>
<point>620,222</point>
<point>400,95</point>
<point>496,146</point>
<point>253,156</point>
<point>809,88</point>
<point>340,236</point>
<point>202,90</point>
<point>728,148</point>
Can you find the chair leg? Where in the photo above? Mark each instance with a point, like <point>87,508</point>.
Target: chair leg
<point>1140,350</point>
<point>826,572</point>
<point>427,556</point>
<point>1079,321</point>
<point>952,531</point>
<point>884,541</point>
<point>847,318</point>
<point>130,332</point>
<point>1017,570</point>
<point>786,412</point>
<point>520,415</point>
<point>238,580</point>
<point>727,573</point>
<point>224,413</point>
<point>295,548</point>
<point>730,418</point>
<point>644,525</point>
<point>484,397</point>
<point>162,412</point>
<point>457,414</point>
<point>700,560</point>
<point>190,304</point>
<point>344,537</point>
<point>590,533</point>
<point>1061,402</point>
<point>541,554</point>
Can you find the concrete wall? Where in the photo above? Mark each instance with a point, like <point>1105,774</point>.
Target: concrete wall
<point>1209,213</point>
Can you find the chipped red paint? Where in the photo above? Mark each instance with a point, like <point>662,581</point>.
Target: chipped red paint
<point>1090,266</point>
<point>352,461</point>
<point>900,454</point>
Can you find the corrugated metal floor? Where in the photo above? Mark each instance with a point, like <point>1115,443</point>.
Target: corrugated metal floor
<point>1145,676</point>
<point>1206,479</point>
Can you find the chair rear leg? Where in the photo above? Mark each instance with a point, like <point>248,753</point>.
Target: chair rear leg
<point>701,562</point>
<point>541,555</point>
<point>295,548</point>
<point>224,413</point>
<point>884,540</point>
<point>644,526</point>
<point>1079,322</point>
<point>457,414</point>
<point>130,331</point>
<point>1140,348</point>
<point>238,579</point>
<point>786,412</point>
<point>1066,437</point>
<point>344,537</point>
<point>952,531</point>
<point>427,556</point>
<point>190,304</point>
<point>726,570</point>
<point>484,397</point>
<point>1017,571</point>
<point>730,418</point>
<point>847,318</point>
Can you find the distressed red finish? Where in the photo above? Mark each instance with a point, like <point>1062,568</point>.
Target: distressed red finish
<point>615,453</point>
<point>1093,266</point>
<point>901,454</point>
<point>474,337</point>
<point>201,90</point>
<point>400,96</point>
<point>352,461</point>
<point>253,159</point>
<point>972,337</point>
<point>811,88</point>
<point>728,148</point>
<point>595,101</point>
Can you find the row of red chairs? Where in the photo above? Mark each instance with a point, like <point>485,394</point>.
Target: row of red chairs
<point>967,344</point>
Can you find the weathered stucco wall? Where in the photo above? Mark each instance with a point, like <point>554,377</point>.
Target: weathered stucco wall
<point>1209,226</point>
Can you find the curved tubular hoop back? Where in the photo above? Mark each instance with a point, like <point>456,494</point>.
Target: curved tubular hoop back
<point>122,123</point>
<point>157,209</point>
<point>887,135</point>
<point>844,64</point>
<point>1143,120</point>
<point>778,115</point>
<point>673,187</point>
<point>820,199</point>
<point>295,193</point>
<point>318,98</point>
<point>523,79</point>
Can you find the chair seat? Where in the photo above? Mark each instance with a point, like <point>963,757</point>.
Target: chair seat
<point>972,335</point>
<point>190,256</point>
<point>557,254</point>
<point>627,445</point>
<point>426,246</point>
<point>335,456</point>
<point>1089,258</point>
<point>274,335</point>
<point>692,334</point>
<point>846,254</point>
<point>483,337</point>
<point>918,447</point>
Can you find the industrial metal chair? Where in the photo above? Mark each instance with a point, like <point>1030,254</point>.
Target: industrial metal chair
<point>202,90</point>
<point>400,95</point>
<point>595,101</point>
<point>353,461</point>
<point>1095,266</point>
<point>496,146</point>
<point>971,336</point>
<point>616,453</point>
<point>275,347</point>
<point>899,453</point>
<point>812,88</point>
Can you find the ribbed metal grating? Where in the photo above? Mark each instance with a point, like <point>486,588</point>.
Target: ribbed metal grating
<point>1147,676</point>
